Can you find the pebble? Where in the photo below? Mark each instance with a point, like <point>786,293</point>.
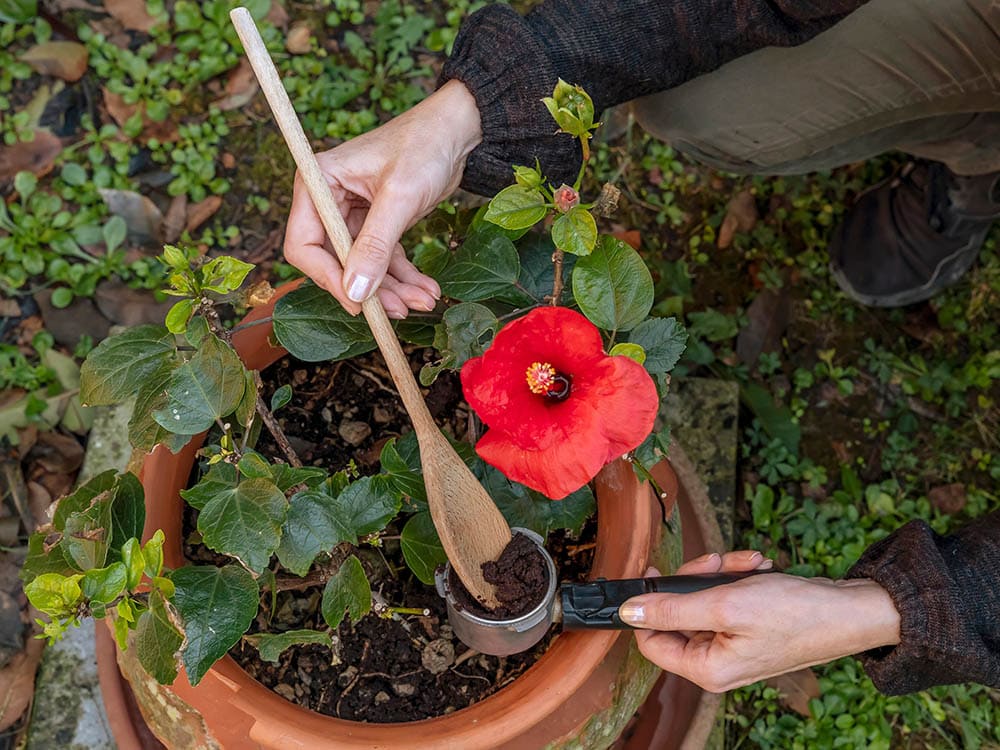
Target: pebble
<point>404,689</point>
<point>381,415</point>
<point>285,691</point>
<point>326,414</point>
<point>354,433</point>
<point>381,697</point>
<point>347,676</point>
<point>438,656</point>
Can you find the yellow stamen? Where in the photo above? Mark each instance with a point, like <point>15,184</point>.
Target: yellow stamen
<point>540,377</point>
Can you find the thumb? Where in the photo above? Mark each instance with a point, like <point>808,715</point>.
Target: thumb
<point>670,612</point>
<point>373,247</point>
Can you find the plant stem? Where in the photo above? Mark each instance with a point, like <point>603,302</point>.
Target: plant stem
<point>661,496</point>
<point>557,281</point>
<point>251,324</point>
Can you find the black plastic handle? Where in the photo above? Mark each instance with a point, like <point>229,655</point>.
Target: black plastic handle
<point>594,605</point>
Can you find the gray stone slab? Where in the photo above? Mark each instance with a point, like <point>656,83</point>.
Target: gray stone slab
<point>703,414</point>
<point>68,711</point>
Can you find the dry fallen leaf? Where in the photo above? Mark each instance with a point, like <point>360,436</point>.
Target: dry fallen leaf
<point>299,39</point>
<point>277,15</point>
<point>241,87</point>
<point>36,156</point>
<point>173,222</point>
<point>56,452</point>
<point>121,111</point>
<point>17,682</point>
<point>768,317</point>
<point>797,689</point>
<point>66,60</point>
<point>143,219</point>
<point>259,294</point>
<point>202,211</point>
<point>741,216</point>
<point>130,14</point>
<point>948,498</point>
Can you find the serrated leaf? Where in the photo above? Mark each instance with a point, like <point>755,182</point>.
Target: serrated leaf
<point>286,476</point>
<point>532,510</point>
<point>404,476</point>
<point>271,645</point>
<point>538,272</point>
<point>421,547</point>
<point>245,522</point>
<point>207,387</point>
<point>663,339</point>
<point>104,585</point>
<point>119,365</point>
<point>252,465</point>
<point>157,641</point>
<point>485,265</point>
<point>144,433</point>
<point>575,231</point>
<point>465,332</point>
<point>517,207</point>
<point>312,525</point>
<point>313,326</point>
<point>216,606</point>
<point>612,286</point>
<point>366,506</point>
<point>347,592</point>
<point>632,351</point>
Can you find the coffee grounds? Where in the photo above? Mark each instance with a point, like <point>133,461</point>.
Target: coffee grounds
<point>520,576</point>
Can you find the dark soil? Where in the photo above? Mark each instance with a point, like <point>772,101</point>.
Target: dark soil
<point>397,669</point>
<point>519,575</point>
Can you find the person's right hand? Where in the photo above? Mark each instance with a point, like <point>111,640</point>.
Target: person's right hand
<point>384,181</point>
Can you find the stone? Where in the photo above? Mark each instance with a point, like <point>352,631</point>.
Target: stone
<point>354,432</point>
<point>438,656</point>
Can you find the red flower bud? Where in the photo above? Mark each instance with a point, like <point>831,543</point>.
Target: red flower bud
<point>565,198</point>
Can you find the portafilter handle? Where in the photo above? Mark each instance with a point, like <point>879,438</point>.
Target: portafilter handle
<point>593,605</point>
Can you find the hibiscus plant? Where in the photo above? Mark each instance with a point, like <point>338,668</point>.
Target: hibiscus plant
<point>558,357</point>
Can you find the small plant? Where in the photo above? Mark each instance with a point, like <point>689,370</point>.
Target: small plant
<point>261,512</point>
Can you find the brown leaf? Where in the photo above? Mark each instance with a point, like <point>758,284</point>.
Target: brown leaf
<point>68,324</point>
<point>768,317</point>
<point>9,309</point>
<point>299,38</point>
<point>56,452</point>
<point>630,237</point>
<point>121,111</point>
<point>241,87</point>
<point>17,682</point>
<point>40,503</point>
<point>202,211</point>
<point>948,498</point>
<point>277,14</point>
<point>143,219</point>
<point>129,307</point>
<point>259,294</point>
<point>36,156</point>
<point>228,160</point>
<point>66,60</point>
<point>797,689</point>
<point>173,222</point>
<point>741,216</point>
<point>130,14</point>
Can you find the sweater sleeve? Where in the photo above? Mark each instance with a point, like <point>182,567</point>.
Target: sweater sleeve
<point>947,592</point>
<point>616,49</point>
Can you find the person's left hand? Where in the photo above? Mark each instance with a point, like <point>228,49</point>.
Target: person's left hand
<point>765,625</point>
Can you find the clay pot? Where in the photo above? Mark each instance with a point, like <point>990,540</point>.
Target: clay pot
<point>581,693</point>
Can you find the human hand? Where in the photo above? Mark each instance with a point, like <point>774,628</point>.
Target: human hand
<point>383,181</point>
<point>738,633</point>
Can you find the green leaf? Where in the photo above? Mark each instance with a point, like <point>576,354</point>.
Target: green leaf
<point>157,641</point>
<point>207,387</point>
<point>281,397</point>
<point>216,606</point>
<point>54,594</point>
<point>366,506</point>
<point>224,274</point>
<point>632,351</point>
<point>575,231</point>
<point>572,108</point>
<point>25,184</point>
<point>612,286</point>
<point>404,476</point>
<point>88,533</point>
<point>220,478</point>
<point>532,510</point>
<point>82,497</point>
<point>271,645</point>
<point>653,448</point>
<point>128,513</point>
<point>119,365</point>
<point>286,476</point>
<point>39,561</point>
<point>174,257</point>
<point>179,315</point>
<point>134,562</point>
<point>538,272</point>
<point>421,547</point>
<point>663,339</point>
<point>104,585</point>
<point>18,11</point>
<point>313,326</point>
<point>714,325</point>
<point>144,433</point>
<point>485,265</point>
<point>517,207</point>
<point>245,522</point>
<point>252,465</point>
<point>465,332</point>
<point>776,419</point>
<point>348,592</point>
<point>152,554</point>
<point>61,297</point>
<point>248,404</point>
<point>114,232</point>
<point>529,177</point>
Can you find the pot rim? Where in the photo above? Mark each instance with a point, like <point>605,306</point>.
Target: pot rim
<point>627,530</point>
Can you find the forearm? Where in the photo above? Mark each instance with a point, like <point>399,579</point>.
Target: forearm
<point>947,593</point>
<point>616,50</point>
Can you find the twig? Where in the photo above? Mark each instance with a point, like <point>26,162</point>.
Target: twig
<point>557,280</point>
<point>272,424</point>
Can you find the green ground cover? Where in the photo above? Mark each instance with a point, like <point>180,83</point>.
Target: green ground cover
<point>854,420</point>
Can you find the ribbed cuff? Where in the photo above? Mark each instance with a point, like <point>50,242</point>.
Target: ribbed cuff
<point>508,71</point>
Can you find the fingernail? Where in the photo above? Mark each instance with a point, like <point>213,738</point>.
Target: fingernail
<point>710,557</point>
<point>633,614</point>
<point>652,572</point>
<point>755,557</point>
<point>429,305</point>
<point>395,314</point>
<point>360,288</point>
<point>767,564</point>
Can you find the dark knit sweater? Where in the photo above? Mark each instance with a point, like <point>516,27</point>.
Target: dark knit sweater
<point>946,589</point>
<point>616,49</point>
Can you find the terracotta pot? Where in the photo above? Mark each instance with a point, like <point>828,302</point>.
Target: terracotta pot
<point>581,693</point>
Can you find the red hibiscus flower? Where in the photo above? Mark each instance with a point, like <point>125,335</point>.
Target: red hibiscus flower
<point>557,406</point>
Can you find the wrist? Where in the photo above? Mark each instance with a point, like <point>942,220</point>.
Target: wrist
<point>873,614</point>
<point>460,117</point>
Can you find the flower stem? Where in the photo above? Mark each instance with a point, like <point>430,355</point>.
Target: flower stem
<point>557,279</point>
<point>643,472</point>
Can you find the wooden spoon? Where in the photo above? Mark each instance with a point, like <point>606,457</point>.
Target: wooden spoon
<point>471,528</point>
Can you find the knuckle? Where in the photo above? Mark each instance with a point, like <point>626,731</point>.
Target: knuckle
<point>662,613</point>
<point>375,249</point>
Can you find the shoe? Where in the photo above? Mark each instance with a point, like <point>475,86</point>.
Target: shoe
<point>907,238</point>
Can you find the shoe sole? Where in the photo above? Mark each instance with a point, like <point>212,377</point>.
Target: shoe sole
<point>963,258</point>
